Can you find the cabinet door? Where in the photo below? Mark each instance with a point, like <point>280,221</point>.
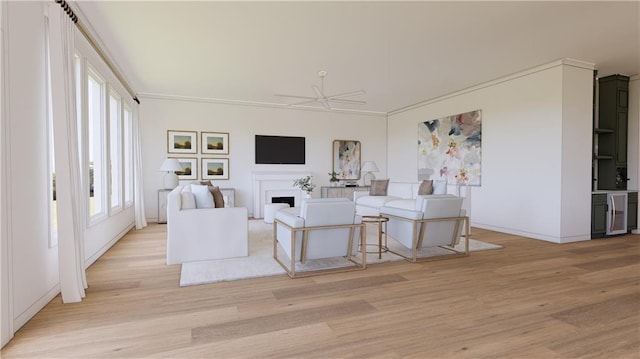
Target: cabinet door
<point>621,139</point>
<point>598,215</point>
<point>632,211</point>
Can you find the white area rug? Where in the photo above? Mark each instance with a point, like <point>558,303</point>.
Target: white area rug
<point>260,262</point>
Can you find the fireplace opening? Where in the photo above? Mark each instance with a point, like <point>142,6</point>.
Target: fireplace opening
<point>288,200</point>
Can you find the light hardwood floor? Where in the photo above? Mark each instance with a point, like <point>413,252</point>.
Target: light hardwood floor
<point>531,299</point>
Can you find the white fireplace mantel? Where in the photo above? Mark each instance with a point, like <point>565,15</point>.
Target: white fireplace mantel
<point>274,184</point>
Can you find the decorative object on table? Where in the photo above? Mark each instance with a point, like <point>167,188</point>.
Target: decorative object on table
<point>215,169</point>
<point>346,159</point>
<point>333,179</point>
<point>450,148</point>
<point>170,166</point>
<point>214,143</point>
<point>305,184</point>
<point>182,141</point>
<point>189,169</point>
<point>368,167</point>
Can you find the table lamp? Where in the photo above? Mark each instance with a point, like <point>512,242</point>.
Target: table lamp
<point>170,165</point>
<point>368,167</point>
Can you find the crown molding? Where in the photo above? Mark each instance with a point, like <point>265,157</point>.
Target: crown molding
<point>556,63</point>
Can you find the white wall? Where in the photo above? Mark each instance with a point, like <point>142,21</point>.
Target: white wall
<point>30,278</point>
<point>527,158</point>
<point>320,128</point>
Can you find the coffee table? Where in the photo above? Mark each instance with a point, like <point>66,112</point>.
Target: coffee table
<point>379,220</point>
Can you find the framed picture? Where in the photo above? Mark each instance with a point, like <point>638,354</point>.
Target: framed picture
<point>189,168</point>
<point>346,159</point>
<point>182,141</point>
<point>214,143</point>
<point>215,169</point>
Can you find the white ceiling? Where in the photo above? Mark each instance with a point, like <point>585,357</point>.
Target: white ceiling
<point>401,53</point>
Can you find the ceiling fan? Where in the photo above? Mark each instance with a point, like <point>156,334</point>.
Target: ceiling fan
<point>323,99</point>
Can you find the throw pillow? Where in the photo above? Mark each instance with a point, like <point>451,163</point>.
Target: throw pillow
<point>204,198</point>
<point>187,200</point>
<point>379,187</point>
<point>440,187</point>
<point>218,199</point>
<point>206,183</point>
<point>426,187</point>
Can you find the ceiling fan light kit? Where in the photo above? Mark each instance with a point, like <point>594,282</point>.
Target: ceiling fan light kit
<point>323,99</point>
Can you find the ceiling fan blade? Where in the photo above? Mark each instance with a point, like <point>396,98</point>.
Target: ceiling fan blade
<point>296,96</point>
<point>317,91</point>
<point>347,101</point>
<point>347,94</point>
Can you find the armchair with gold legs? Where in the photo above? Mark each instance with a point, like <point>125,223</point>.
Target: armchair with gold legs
<point>429,231</point>
<point>323,235</point>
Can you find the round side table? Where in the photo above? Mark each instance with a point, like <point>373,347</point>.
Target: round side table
<point>379,220</point>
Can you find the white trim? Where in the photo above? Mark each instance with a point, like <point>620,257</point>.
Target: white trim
<point>37,306</point>
<point>561,62</point>
<point>89,261</point>
<point>7,324</point>
<point>560,240</point>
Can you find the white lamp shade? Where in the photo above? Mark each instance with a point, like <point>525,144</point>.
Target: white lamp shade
<point>369,166</point>
<point>170,165</point>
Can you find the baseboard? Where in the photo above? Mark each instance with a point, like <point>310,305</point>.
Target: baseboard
<point>37,306</point>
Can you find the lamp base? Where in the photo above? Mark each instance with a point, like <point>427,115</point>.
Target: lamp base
<point>170,180</point>
<point>366,179</point>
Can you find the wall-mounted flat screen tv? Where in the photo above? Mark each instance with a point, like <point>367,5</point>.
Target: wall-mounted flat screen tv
<point>280,150</point>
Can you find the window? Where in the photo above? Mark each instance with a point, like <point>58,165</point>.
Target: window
<point>96,144</point>
<point>115,151</point>
<point>127,138</point>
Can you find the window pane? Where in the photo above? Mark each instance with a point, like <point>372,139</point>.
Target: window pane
<point>114,150</point>
<point>128,156</point>
<point>95,91</point>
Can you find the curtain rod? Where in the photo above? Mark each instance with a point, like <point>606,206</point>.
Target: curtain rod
<point>83,30</point>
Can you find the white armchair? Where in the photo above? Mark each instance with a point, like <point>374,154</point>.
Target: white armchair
<point>319,229</point>
<point>436,221</point>
<point>199,234</point>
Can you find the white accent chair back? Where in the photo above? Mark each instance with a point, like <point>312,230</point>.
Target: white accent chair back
<point>201,234</point>
<point>320,228</point>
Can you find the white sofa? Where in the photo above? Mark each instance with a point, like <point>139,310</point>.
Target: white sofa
<point>319,228</point>
<point>199,234</point>
<point>402,194</point>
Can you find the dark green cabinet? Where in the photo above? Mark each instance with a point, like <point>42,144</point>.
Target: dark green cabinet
<point>610,134</point>
<point>598,215</point>
<point>632,211</point>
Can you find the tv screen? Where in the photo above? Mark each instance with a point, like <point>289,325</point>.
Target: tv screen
<point>280,150</point>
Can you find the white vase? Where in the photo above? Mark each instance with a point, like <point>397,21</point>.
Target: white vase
<point>307,195</point>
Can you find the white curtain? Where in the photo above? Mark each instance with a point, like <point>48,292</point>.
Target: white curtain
<point>141,219</point>
<point>73,280</point>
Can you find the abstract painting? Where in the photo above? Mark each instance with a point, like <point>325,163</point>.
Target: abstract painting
<point>346,159</point>
<point>450,148</point>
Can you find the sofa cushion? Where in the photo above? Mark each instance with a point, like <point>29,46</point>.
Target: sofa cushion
<point>426,187</point>
<point>375,201</point>
<point>204,198</point>
<point>379,187</point>
<point>402,204</point>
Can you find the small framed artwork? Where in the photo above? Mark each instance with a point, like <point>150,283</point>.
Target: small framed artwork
<point>346,159</point>
<point>214,143</point>
<point>182,141</point>
<point>189,168</point>
<point>215,169</point>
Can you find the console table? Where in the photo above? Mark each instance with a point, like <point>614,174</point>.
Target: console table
<point>341,192</point>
